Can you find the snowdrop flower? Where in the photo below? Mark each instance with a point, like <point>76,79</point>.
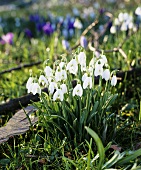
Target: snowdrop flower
<point>138,11</point>
<point>61,65</point>
<point>103,59</point>
<point>117,22</point>
<point>114,80</point>
<point>106,74</point>
<point>72,66</point>
<point>123,27</point>
<point>120,17</point>
<point>98,70</point>
<point>84,76</point>
<point>29,82</point>
<point>78,91</point>
<point>78,24</point>
<point>35,88</point>
<point>81,58</point>
<point>64,89</point>
<point>48,71</point>
<point>63,75</point>
<point>52,87</point>
<point>130,25</point>
<point>113,30</point>
<point>87,82</point>
<point>43,80</point>
<point>58,76</point>
<point>58,95</point>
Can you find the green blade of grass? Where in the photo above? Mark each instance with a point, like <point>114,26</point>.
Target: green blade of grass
<point>100,146</point>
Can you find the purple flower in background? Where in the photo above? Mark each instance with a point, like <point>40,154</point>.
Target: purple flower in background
<point>47,28</point>
<point>71,23</point>
<point>28,33</point>
<point>7,39</point>
<point>34,18</point>
<point>83,42</point>
<point>101,11</point>
<point>40,26</point>
<point>65,44</point>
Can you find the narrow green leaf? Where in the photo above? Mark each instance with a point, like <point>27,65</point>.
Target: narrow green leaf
<point>100,146</point>
<point>129,158</point>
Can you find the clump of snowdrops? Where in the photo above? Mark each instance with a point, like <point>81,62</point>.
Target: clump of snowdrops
<point>74,100</point>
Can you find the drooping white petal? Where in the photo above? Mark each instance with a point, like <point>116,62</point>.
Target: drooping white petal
<point>106,74</point>
<point>113,29</point>
<point>64,89</point>
<point>84,76</point>
<point>58,76</point>
<point>43,80</point>
<point>81,58</point>
<point>87,83</point>
<point>63,74</point>
<point>48,71</point>
<point>52,87</point>
<point>98,70</point>
<point>29,82</point>
<point>78,91</point>
<point>58,95</point>
<point>72,66</point>
<point>35,88</point>
<point>114,80</point>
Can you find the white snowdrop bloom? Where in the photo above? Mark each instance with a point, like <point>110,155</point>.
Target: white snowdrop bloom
<point>62,65</point>
<point>102,61</point>
<point>48,71</point>
<point>113,29</point>
<point>81,58</point>
<point>35,88</point>
<point>124,26</point>
<point>52,87</point>
<point>29,89</point>
<point>87,83</point>
<point>63,74</point>
<point>43,80</point>
<point>98,70</point>
<point>29,82</point>
<point>130,25</point>
<point>64,89</point>
<point>58,76</point>
<point>138,11</point>
<point>114,80</point>
<point>84,76</point>
<point>117,22</point>
<point>78,24</point>
<point>125,16</point>
<point>106,74</point>
<point>58,95</point>
<point>78,91</point>
<point>72,66</point>
<point>83,67</point>
<point>120,17</point>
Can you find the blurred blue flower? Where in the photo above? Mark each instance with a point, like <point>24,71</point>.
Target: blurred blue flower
<point>47,28</point>
<point>28,33</point>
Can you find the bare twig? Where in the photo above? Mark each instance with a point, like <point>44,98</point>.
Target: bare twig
<point>20,67</point>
